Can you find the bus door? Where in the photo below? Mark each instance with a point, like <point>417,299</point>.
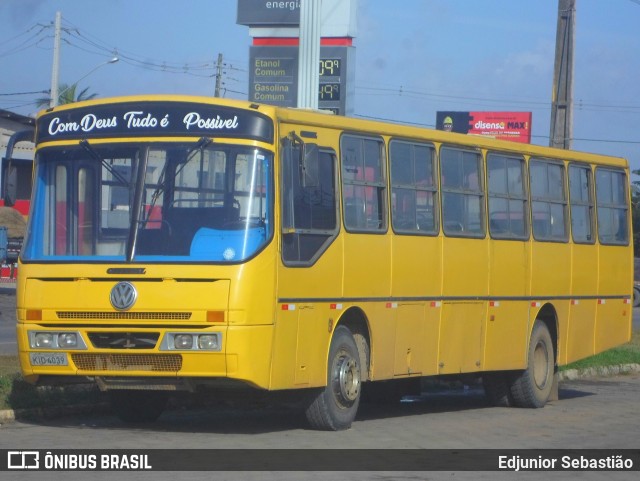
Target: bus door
<point>310,274</point>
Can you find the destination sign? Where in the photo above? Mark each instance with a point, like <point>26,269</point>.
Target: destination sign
<point>149,118</point>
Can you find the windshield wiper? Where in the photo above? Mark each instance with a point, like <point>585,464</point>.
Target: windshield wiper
<point>89,148</point>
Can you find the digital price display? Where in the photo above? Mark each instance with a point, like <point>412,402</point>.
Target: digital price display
<point>330,67</point>
<point>329,92</point>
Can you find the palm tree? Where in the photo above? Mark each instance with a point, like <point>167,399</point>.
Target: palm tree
<point>67,95</point>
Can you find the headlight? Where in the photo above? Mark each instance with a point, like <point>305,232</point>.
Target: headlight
<point>43,340</point>
<point>67,340</point>
<point>183,341</point>
<point>191,341</point>
<point>208,341</point>
<point>56,340</point>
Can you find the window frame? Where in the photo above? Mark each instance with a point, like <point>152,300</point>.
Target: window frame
<point>564,202</point>
<point>432,189</point>
<point>331,234</point>
<point>508,196</point>
<point>626,205</point>
<point>382,186</point>
<point>480,193</point>
<point>590,204</point>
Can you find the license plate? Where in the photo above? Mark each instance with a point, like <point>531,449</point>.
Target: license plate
<point>49,359</point>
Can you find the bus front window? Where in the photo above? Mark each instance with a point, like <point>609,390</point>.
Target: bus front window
<point>192,202</point>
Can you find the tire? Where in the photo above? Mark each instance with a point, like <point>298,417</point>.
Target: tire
<point>334,407</point>
<point>532,387</point>
<point>636,296</point>
<point>138,406</point>
<point>497,389</point>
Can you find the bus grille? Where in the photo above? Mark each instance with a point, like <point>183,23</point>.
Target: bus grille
<point>171,316</point>
<point>127,362</point>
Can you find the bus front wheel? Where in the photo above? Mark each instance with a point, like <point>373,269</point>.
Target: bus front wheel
<point>532,387</point>
<point>334,408</point>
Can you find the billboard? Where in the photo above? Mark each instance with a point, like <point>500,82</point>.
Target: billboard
<point>514,126</point>
<point>338,16</point>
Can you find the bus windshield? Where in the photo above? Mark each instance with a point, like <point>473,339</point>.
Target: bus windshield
<point>187,201</point>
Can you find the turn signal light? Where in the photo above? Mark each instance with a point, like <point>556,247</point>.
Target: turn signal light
<point>215,316</point>
<point>34,315</point>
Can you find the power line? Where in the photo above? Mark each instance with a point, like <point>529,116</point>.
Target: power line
<point>24,93</point>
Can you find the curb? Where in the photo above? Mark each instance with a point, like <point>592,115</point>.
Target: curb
<point>602,371</point>
<point>10,415</point>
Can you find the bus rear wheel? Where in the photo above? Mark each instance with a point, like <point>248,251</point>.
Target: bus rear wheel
<point>532,387</point>
<point>133,406</point>
<point>335,407</point>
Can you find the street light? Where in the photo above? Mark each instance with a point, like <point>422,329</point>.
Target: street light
<point>55,99</point>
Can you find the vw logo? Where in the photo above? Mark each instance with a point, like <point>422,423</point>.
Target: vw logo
<point>123,296</point>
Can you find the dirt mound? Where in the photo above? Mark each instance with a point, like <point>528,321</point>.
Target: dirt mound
<point>13,221</point>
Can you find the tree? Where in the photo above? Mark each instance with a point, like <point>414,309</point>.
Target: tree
<point>67,95</point>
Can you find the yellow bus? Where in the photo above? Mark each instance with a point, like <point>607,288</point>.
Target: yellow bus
<point>186,243</point>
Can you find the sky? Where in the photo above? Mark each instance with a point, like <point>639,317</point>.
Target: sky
<point>413,58</point>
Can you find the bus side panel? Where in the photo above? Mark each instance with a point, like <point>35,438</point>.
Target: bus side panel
<point>614,316</point>
<point>465,276</point>
<point>551,278</point>
<point>417,272</point>
<point>507,319</point>
<point>582,312</point>
<point>367,277</point>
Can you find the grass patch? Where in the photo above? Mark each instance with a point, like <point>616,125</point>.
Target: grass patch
<point>626,354</point>
<point>16,393</point>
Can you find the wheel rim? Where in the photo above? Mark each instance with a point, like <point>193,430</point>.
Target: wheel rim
<point>540,365</point>
<point>346,379</point>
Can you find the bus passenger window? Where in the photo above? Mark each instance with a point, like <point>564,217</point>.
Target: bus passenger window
<point>548,200</point>
<point>363,183</point>
<point>507,197</point>
<point>581,202</point>
<point>462,192</point>
<point>413,190</point>
<point>611,199</point>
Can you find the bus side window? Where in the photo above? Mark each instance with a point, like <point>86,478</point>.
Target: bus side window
<point>507,196</point>
<point>462,192</point>
<point>363,183</point>
<point>413,191</point>
<point>581,202</point>
<point>309,205</point>
<point>548,200</point>
<point>611,200</point>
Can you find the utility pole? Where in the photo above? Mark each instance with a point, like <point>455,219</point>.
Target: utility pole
<point>55,69</point>
<point>218,76</point>
<point>561,133</point>
<point>309,58</point>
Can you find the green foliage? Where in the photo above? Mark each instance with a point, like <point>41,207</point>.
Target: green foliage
<point>626,354</point>
<point>68,94</point>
